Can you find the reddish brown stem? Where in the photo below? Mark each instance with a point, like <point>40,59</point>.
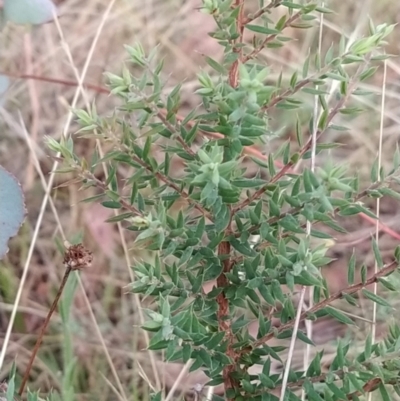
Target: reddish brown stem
<point>287,167</point>
<point>224,322</point>
<point>234,70</point>
<point>262,11</point>
<point>96,88</point>
<point>42,331</point>
<point>270,38</point>
<point>387,269</point>
<point>368,387</point>
<point>224,248</point>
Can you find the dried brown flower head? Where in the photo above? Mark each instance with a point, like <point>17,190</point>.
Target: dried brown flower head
<point>77,257</point>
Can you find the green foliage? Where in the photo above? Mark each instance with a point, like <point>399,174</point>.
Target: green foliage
<point>247,232</point>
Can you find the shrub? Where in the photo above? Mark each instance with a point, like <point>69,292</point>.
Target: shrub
<point>251,233</point>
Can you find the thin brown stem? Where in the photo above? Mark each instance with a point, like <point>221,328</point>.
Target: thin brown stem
<point>175,187</point>
<point>60,81</point>
<point>270,38</point>
<point>369,386</point>
<point>127,206</point>
<point>285,169</point>
<point>386,270</point>
<point>299,85</point>
<point>295,210</point>
<point>76,257</point>
<point>224,248</point>
<point>224,322</point>
<point>42,331</point>
<point>234,70</point>
<point>261,11</point>
<point>100,184</point>
<point>162,177</point>
<point>162,115</point>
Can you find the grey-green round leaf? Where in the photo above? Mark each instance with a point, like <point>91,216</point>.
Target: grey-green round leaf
<point>4,85</point>
<point>12,208</point>
<point>3,20</point>
<point>29,12</point>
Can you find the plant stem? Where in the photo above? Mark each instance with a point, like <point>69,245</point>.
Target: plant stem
<point>285,169</point>
<point>263,10</point>
<point>387,269</point>
<point>369,386</point>
<point>270,38</point>
<point>224,248</point>
<point>224,321</point>
<point>45,324</point>
<point>234,70</point>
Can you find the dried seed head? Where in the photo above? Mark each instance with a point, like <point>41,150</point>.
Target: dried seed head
<point>77,257</point>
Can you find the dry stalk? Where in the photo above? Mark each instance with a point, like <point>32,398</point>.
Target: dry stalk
<point>76,257</point>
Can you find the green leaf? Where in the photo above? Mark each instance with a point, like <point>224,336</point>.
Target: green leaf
<point>277,291</point>
<point>312,395</point>
<point>262,29</point>
<point>389,192</point>
<point>215,340</point>
<point>216,66</point>
<point>375,298</point>
<point>386,283</point>
<point>309,279</point>
<point>355,382</point>
<point>351,269</point>
<point>368,73</point>
<point>377,253</point>
<point>248,183</point>
<point>11,388</point>
<point>242,248</point>
<point>301,336</point>
<point>320,234</point>
<point>384,393</point>
<point>314,91</point>
<point>341,317</point>
<point>119,217</point>
<point>111,204</point>
<point>266,294</point>
<point>151,325</point>
<point>368,346</point>
<point>323,120</point>
<point>336,77</point>
<point>147,147</point>
<point>157,342</point>
<point>222,218</point>
<point>293,80</point>
<point>266,381</point>
<point>187,253</point>
<point>339,393</point>
<point>363,274</point>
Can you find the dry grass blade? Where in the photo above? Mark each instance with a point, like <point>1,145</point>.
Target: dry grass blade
<point>309,325</point>
<point>178,380</point>
<point>292,344</point>
<point>378,203</point>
